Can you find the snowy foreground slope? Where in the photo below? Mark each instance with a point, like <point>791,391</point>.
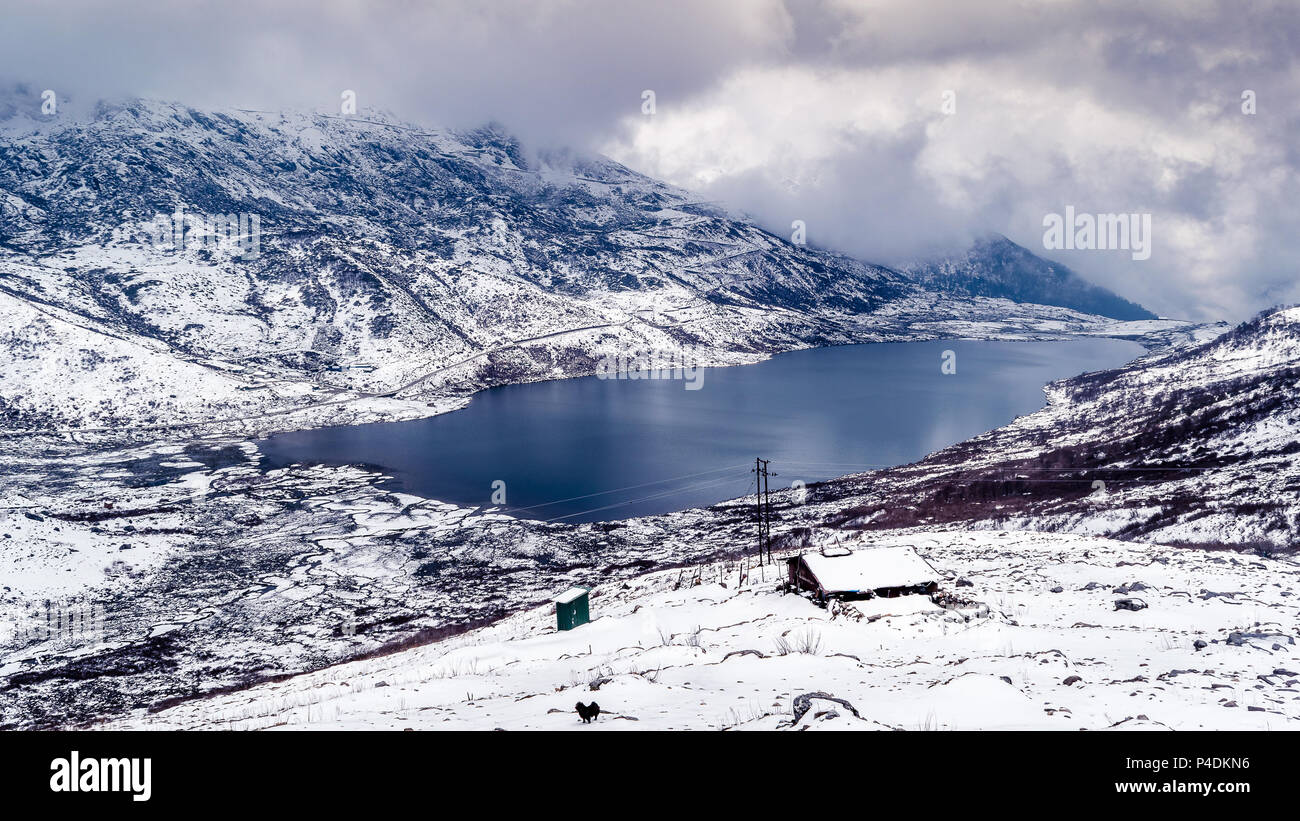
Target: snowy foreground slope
<point>692,649</point>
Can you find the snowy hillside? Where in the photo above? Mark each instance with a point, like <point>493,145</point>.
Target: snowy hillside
<point>1194,446</point>
<point>691,649</point>
<point>395,270</point>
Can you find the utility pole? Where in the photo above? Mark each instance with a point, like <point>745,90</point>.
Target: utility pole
<point>767,503</point>
<point>763,504</point>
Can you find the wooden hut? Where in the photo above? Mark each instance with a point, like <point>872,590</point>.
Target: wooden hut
<point>838,572</point>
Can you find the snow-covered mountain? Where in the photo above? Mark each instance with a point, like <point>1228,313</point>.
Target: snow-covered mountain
<point>994,266</point>
<point>394,270</point>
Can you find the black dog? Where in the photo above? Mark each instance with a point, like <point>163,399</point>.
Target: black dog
<point>588,711</point>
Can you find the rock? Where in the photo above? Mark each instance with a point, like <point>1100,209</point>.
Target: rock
<point>382,684</point>
<point>1229,704</point>
<point>1199,644</point>
<point>1072,680</point>
<point>1007,679</point>
<point>1135,587</point>
<point>1091,586</point>
<point>1058,589</point>
<point>1210,594</point>
<point>744,653</point>
<point>803,703</point>
<point>1255,709</point>
<point>964,582</point>
<point>1130,604</point>
<point>1239,639</point>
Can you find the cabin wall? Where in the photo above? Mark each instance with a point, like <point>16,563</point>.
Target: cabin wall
<point>918,589</point>
<point>801,578</point>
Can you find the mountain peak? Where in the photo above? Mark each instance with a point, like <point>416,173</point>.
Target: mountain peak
<point>994,266</point>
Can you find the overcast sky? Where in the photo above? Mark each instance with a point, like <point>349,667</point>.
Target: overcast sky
<point>827,111</point>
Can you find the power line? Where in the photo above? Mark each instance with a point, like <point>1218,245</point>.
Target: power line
<point>660,495</point>
<point>798,463</point>
<point>629,487</point>
<point>670,492</point>
<point>759,486</point>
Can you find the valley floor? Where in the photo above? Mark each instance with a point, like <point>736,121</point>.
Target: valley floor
<point>693,649</point>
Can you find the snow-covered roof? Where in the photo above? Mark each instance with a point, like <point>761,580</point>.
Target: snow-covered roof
<point>570,595</point>
<point>869,569</point>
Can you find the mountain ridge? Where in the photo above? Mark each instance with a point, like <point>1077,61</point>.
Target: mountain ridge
<point>394,265</point>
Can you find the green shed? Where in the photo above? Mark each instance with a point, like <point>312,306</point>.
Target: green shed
<point>571,608</point>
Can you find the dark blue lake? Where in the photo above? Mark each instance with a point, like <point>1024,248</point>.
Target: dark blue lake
<point>592,449</point>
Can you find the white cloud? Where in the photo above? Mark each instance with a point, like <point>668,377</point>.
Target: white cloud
<point>822,110</point>
<point>859,148</point>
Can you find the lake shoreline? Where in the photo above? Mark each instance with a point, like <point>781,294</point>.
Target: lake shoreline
<point>517,449</point>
